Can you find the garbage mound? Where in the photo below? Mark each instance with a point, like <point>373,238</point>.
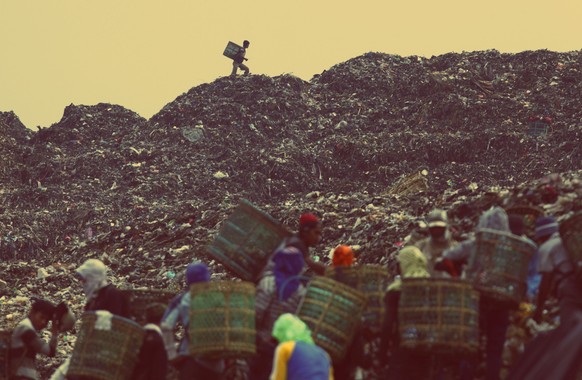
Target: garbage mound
<point>371,145</point>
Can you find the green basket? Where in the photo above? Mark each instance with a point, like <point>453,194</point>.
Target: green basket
<point>106,354</point>
<point>246,241</point>
<point>140,299</point>
<point>372,281</point>
<point>571,233</point>
<point>222,319</point>
<point>537,128</point>
<point>5,341</point>
<point>231,50</point>
<point>333,312</point>
<point>439,316</point>
<point>500,264</point>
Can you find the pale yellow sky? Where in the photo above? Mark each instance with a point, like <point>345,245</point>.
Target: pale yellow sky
<point>141,54</point>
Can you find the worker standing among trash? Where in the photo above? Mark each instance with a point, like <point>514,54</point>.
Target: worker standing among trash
<point>99,293</point>
<point>402,364</point>
<point>297,357</point>
<point>277,293</point>
<point>26,342</point>
<point>439,240</point>
<point>558,270</point>
<point>191,368</point>
<point>152,363</point>
<point>494,317</point>
<point>237,62</point>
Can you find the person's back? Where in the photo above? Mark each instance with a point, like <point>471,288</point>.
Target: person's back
<point>303,361</point>
<point>152,362</point>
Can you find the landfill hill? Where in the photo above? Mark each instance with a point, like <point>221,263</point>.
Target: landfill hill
<point>371,145</point>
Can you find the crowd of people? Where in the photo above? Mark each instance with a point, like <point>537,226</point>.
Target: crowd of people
<point>285,347</point>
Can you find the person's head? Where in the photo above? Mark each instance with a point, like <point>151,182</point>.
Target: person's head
<point>437,222</point>
<point>310,229</point>
<point>343,256</point>
<point>289,328</point>
<point>246,44</point>
<point>412,262</point>
<point>197,272</point>
<point>516,225</point>
<point>494,219</point>
<point>154,313</point>
<point>93,276</point>
<point>546,226</point>
<point>41,313</point>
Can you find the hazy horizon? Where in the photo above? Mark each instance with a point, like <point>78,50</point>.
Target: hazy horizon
<point>143,55</point>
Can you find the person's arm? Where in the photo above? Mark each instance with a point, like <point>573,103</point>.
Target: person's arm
<point>37,345</point>
<point>543,293</point>
<point>316,266</point>
<point>282,356</point>
<point>461,252</point>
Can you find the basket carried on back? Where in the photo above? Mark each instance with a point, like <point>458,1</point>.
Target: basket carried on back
<point>571,233</point>
<point>333,312</point>
<point>231,50</point>
<point>439,316</point>
<point>139,299</point>
<point>529,214</point>
<point>372,281</point>
<point>500,264</point>
<point>107,347</point>
<point>246,241</point>
<point>222,319</point>
<point>5,340</point>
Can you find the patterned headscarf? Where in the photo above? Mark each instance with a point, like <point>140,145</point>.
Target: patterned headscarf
<point>343,256</point>
<point>94,275</point>
<point>289,262</point>
<point>412,265</point>
<point>289,328</point>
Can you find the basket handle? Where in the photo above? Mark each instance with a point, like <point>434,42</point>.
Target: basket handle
<point>287,281</point>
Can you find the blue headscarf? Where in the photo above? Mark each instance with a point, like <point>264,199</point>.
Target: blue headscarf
<point>197,272</point>
<point>289,262</point>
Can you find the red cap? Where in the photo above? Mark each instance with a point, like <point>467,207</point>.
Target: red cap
<point>308,220</point>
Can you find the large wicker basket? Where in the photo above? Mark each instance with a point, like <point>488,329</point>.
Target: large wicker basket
<point>571,233</point>
<point>372,281</point>
<point>440,316</point>
<point>500,264</point>
<point>5,339</point>
<point>222,319</point>
<point>529,214</point>
<point>246,241</point>
<point>106,354</point>
<point>139,299</point>
<point>333,312</point>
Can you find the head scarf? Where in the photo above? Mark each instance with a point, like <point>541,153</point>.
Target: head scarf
<point>412,265</point>
<point>307,221</point>
<point>545,226</point>
<point>343,256</point>
<point>289,262</point>
<point>94,274</point>
<point>494,219</point>
<point>197,272</point>
<point>289,328</point>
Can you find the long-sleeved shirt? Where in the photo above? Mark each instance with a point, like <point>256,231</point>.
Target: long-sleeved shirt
<point>301,361</point>
<point>26,344</point>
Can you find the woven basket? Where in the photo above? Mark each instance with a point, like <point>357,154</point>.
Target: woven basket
<point>5,340</point>
<point>439,315</point>
<point>372,281</point>
<point>222,319</point>
<point>246,241</point>
<point>139,299</point>
<point>333,312</point>
<point>529,215</point>
<point>106,354</point>
<point>571,233</point>
<point>500,264</point>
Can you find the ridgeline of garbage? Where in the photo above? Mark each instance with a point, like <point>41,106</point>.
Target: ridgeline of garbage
<point>371,145</point>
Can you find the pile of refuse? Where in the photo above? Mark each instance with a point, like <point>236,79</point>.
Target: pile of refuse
<point>371,145</point>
